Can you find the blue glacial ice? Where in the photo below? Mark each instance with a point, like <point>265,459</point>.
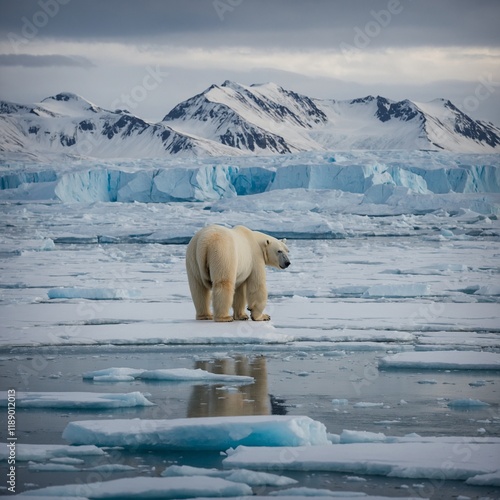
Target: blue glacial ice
<point>377,178</point>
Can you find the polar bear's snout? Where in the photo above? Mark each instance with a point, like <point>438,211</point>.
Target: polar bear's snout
<point>284,260</point>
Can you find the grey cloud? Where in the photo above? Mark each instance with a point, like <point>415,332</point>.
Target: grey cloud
<point>270,23</point>
<point>44,61</point>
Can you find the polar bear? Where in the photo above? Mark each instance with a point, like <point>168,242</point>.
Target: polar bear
<point>229,264</point>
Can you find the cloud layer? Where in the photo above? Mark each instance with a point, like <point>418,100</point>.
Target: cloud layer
<point>326,48</point>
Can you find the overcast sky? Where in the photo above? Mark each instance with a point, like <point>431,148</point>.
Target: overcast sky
<point>148,55</point>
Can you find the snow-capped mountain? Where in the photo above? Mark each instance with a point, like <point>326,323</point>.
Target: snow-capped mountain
<point>268,118</point>
<point>67,123</point>
<point>260,118</point>
<point>235,119</point>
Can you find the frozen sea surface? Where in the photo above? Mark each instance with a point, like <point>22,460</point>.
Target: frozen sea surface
<point>385,330</point>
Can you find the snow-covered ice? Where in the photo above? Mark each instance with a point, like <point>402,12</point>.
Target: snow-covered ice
<point>80,400</point>
<point>449,360</point>
<point>433,460</point>
<point>211,433</point>
<point>249,477</point>
<point>90,293</point>
<point>147,487</point>
<point>172,375</point>
<point>41,452</point>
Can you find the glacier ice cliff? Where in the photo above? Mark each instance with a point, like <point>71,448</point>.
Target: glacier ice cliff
<point>380,178</point>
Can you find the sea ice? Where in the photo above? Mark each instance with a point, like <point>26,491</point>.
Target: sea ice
<point>76,400</point>
<point>443,360</point>
<point>250,477</point>
<point>147,487</point>
<point>209,433</point>
<point>166,374</point>
<point>467,403</point>
<point>368,404</point>
<point>92,293</point>
<point>398,290</point>
<point>397,459</point>
<point>492,479</point>
<point>52,467</point>
<point>306,492</point>
<point>340,402</point>
<point>42,452</point>
<point>348,436</point>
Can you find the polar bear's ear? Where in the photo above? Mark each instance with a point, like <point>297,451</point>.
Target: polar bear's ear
<point>283,240</point>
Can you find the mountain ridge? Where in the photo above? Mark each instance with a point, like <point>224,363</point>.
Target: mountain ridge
<point>235,119</point>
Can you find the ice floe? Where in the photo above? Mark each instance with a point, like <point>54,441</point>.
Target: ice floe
<point>122,374</point>
<point>467,403</point>
<point>447,360</point>
<point>249,477</point>
<point>42,452</point>
<point>209,433</point>
<point>147,487</point>
<point>459,460</point>
<point>92,293</point>
<point>88,400</point>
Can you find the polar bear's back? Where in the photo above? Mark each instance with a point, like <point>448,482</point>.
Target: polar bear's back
<point>220,251</point>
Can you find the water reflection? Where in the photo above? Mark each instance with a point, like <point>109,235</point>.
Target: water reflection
<point>230,400</point>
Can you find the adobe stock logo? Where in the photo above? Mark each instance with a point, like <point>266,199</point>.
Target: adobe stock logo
<point>30,27</point>
<point>222,7</point>
<point>380,20</point>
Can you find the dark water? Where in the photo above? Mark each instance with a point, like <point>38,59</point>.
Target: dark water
<point>288,380</point>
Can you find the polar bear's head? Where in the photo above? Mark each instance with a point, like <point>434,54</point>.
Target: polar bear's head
<point>276,253</point>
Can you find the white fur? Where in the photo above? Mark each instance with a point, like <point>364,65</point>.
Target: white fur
<point>229,265</point>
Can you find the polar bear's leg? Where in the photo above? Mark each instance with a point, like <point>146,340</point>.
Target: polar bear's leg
<point>240,302</point>
<point>201,298</point>
<point>222,298</point>
<point>257,299</point>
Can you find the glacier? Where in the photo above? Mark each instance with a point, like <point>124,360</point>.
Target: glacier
<point>402,182</point>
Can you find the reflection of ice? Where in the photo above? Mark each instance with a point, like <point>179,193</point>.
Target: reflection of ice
<point>217,400</point>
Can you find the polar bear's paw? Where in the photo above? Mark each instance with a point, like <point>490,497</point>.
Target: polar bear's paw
<point>204,317</point>
<point>241,317</point>
<point>262,317</point>
<point>225,319</point>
